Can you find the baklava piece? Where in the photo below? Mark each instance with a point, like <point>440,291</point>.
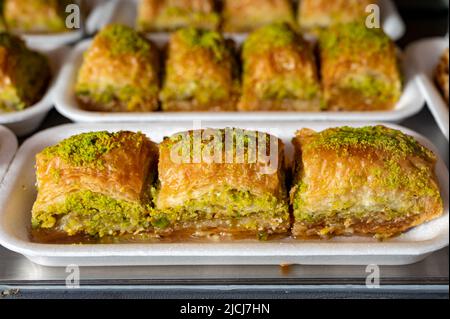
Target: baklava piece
<point>360,70</point>
<point>169,15</point>
<point>221,183</point>
<point>372,181</point>
<point>280,72</point>
<point>24,74</point>
<point>35,16</point>
<point>248,15</point>
<point>442,75</point>
<point>120,72</point>
<point>201,73</point>
<point>96,184</point>
<point>314,15</point>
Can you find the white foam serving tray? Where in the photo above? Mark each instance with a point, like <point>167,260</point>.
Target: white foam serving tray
<point>100,13</point>
<point>426,55</point>
<point>125,12</point>
<point>8,147</point>
<point>28,120</point>
<point>18,193</point>
<point>410,103</point>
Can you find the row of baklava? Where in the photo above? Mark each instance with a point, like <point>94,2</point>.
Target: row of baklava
<point>359,71</point>
<point>48,16</point>
<point>211,183</point>
<point>34,16</point>
<point>247,15</point>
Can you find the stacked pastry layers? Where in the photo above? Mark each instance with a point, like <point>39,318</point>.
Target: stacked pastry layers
<point>230,182</point>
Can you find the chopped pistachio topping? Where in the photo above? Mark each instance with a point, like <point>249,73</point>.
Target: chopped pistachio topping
<point>124,40</point>
<point>209,40</point>
<point>88,148</point>
<point>353,38</point>
<point>271,36</point>
<point>379,137</point>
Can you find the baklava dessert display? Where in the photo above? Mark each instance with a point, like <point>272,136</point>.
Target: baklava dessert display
<point>208,187</point>
<point>279,72</point>
<point>201,73</point>
<point>120,72</point>
<point>96,184</point>
<point>24,74</point>
<point>169,15</point>
<point>442,75</point>
<point>315,15</point>
<point>360,70</point>
<point>35,16</point>
<point>371,181</point>
<point>248,15</point>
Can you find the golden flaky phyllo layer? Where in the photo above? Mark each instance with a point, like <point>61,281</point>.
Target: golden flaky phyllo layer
<point>120,72</point>
<point>360,70</point>
<point>279,72</point>
<point>96,184</point>
<point>248,15</point>
<point>441,75</point>
<point>230,181</point>
<point>35,16</point>
<point>201,73</point>
<point>316,14</point>
<point>24,74</point>
<point>168,15</point>
<point>362,181</point>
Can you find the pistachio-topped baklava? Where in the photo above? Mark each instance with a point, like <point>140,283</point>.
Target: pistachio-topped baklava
<point>35,16</point>
<point>248,15</point>
<point>96,184</point>
<point>318,14</point>
<point>372,181</point>
<point>360,70</point>
<point>223,182</point>
<point>201,73</point>
<point>169,15</point>
<point>24,74</point>
<point>279,72</point>
<point>120,72</point>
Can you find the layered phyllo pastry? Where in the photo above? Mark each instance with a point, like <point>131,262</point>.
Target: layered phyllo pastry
<point>201,73</point>
<point>223,182</point>
<point>248,15</point>
<point>35,16</point>
<point>371,181</point>
<point>168,15</point>
<point>120,72</point>
<point>96,184</point>
<point>279,72</point>
<point>24,74</point>
<point>442,75</point>
<point>360,70</point>
<point>315,15</point>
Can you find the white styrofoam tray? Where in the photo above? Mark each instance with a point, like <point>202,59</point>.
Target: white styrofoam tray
<point>411,102</point>
<point>18,194</point>
<point>100,13</point>
<point>26,121</point>
<point>125,12</point>
<point>8,147</point>
<point>426,55</point>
